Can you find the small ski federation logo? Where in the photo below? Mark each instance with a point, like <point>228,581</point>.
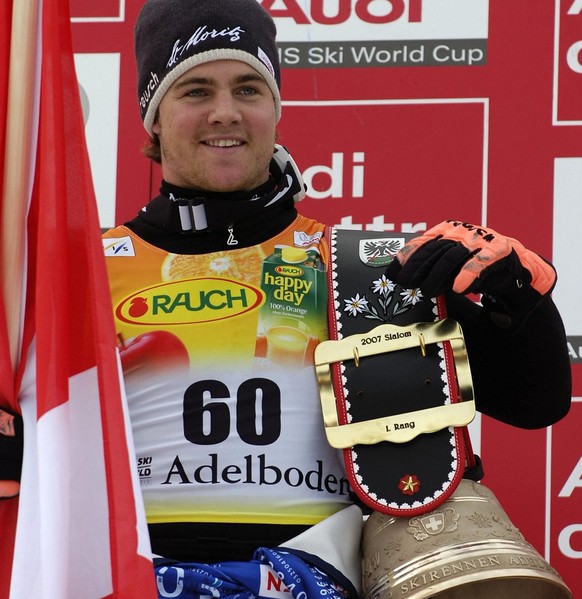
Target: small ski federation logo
<point>380,251</point>
<point>303,240</point>
<point>118,246</point>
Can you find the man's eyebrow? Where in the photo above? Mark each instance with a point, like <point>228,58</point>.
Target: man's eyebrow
<point>194,81</point>
<point>244,78</point>
<point>249,77</point>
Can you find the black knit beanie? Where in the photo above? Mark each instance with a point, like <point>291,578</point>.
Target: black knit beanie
<point>172,36</point>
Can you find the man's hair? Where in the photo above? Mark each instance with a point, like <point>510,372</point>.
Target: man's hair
<point>152,150</point>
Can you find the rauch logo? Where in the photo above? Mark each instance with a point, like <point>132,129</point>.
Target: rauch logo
<point>189,301</point>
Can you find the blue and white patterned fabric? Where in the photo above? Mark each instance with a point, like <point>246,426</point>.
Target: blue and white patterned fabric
<point>271,574</point>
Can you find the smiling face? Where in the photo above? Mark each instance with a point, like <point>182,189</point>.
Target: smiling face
<point>216,126</point>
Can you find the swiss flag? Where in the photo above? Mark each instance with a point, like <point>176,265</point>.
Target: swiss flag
<point>78,528</point>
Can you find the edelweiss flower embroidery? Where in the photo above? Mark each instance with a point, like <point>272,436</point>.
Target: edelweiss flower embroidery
<point>383,286</point>
<point>356,305</point>
<point>411,296</point>
<point>388,301</point>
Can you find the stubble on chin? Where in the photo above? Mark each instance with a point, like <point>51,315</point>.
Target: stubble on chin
<point>216,175</point>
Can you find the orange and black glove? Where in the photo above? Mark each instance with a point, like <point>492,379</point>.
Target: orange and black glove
<point>465,258</point>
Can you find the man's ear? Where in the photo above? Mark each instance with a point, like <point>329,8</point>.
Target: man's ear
<point>156,123</point>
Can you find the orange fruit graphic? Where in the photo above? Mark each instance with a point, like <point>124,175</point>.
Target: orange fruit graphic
<point>241,265</point>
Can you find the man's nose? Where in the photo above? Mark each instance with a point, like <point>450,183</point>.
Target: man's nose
<point>224,109</point>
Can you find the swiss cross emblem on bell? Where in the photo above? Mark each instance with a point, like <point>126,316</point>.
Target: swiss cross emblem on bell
<point>434,523</point>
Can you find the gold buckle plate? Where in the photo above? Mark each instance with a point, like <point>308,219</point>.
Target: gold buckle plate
<point>399,428</point>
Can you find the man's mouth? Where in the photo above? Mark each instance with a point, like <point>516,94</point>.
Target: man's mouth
<point>223,143</point>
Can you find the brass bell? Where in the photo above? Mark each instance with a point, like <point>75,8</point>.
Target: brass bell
<point>466,548</point>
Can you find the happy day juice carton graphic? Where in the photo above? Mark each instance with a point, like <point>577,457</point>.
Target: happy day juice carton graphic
<point>293,317</point>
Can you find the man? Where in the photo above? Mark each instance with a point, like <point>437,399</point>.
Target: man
<point>217,341</point>
<point>227,427</point>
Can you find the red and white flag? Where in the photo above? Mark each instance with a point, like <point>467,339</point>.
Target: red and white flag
<point>78,528</point>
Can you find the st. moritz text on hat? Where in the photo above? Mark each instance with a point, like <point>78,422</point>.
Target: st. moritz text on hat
<point>201,34</point>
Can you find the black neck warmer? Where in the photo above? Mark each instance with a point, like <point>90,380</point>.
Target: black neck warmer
<point>190,221</point>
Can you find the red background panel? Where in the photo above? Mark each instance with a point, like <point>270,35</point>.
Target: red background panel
<point>484,153</point>
<point>400,175</point>
<point>90,9</point>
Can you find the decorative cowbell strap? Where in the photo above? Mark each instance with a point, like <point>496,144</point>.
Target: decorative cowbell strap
<point>394,381</point>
